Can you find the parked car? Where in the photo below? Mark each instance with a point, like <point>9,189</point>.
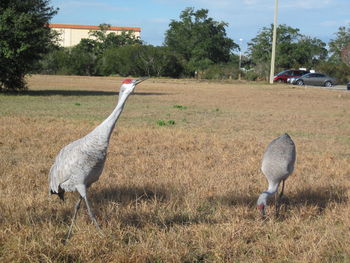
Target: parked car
<point>317,79</point>
<point>348,86</point>
<point>290,73</point>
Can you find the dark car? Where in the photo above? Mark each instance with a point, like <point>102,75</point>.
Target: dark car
<point>287,74</point>
<point>348,86</point>
<point>317,79</point>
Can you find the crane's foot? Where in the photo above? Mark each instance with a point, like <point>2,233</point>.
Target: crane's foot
<point>97,226</point>
<point>281,207</point>
<point>92,217</point>
<point>277,211</point>
<point>76,209</point>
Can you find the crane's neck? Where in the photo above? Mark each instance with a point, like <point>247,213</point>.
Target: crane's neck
<point>273,187</point>
<point>105,129</point>
<point>265,195</point>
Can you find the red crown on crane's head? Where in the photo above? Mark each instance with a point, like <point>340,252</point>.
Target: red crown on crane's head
<point>127,81</point>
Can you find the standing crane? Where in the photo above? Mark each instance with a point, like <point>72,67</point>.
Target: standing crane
<point>80,163</point>
<point>277,164</point>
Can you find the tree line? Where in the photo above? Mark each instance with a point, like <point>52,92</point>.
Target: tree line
<point>194,46</point>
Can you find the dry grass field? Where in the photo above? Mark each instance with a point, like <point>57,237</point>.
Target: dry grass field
<point>182,175</point>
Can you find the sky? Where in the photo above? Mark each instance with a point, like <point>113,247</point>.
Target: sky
<point>245,18</point>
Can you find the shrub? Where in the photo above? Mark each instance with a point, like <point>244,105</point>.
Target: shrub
<point>221,71</point>
<point>55,62</point>
<point>251,75</point>
<point>339,70</point>
<point>140,60</point>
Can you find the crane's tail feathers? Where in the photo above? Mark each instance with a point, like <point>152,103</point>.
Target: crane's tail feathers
<point>60,194</point>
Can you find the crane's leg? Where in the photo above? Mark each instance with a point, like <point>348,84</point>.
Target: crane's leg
<point>77,206</point>
<point>277,205</point>
<point>278,199</point>
<point>281,194</point>
<point>92,215</point>
<point>81,188</point>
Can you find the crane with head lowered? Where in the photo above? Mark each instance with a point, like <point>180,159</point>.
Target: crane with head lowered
<point>277,164</point>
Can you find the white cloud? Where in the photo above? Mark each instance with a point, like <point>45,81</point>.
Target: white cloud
<point>309,4</point>
<point>250,2</point>
<point>160,20</point>
<point>333,23</point>
<point>90,4</point>
<point>329,23</point>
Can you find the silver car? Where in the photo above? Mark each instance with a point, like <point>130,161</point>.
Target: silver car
<point>317,79</point>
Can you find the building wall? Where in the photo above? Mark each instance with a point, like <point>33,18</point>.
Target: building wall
<point>70,35</point>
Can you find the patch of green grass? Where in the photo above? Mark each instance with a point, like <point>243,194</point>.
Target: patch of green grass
<point>302,134</point>
<point>165,123</point>
<point>161,123</point>
<point>56,106</point>
<point>343,139</point>
<point>176,106</point>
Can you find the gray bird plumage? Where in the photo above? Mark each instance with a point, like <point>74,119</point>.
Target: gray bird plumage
<point>80,163</point>
<point>277,164</point>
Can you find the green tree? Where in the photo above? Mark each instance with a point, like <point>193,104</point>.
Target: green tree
<point>57,61</point>
<point>88,57</point>
<point>293,49</point>
<point>345,54</point>
<point>140,60</point>
<point>158,61</point>
<point>199,39</point>
<point>83,59</point>
<point>119,60</point>
<point>340,46</point>
<point>338,70</point>
<point>24,38</point>
<point>309,52</point>
<point>102,40</point>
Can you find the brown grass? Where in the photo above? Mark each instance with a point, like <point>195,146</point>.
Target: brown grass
<point>176,193</point>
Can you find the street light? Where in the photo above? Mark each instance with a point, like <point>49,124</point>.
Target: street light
<point>272,70</point>
<point>240,59</point>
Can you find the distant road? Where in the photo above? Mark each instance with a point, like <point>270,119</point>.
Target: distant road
<point>336,87</point>
<point>339,87</point>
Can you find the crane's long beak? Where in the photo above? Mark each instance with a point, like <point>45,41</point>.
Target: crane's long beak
<point>138,81</point>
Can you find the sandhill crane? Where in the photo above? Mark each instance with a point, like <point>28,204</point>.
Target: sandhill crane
<point>80,163</point>
<point>277,164</point>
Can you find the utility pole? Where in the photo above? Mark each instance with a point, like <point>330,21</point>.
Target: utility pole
<point>240,58</point>
<point>272,69</point>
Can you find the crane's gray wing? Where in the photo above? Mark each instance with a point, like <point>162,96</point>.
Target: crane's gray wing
<point>80,162</point>
<point>279,157</point>
<point>60,171</point>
